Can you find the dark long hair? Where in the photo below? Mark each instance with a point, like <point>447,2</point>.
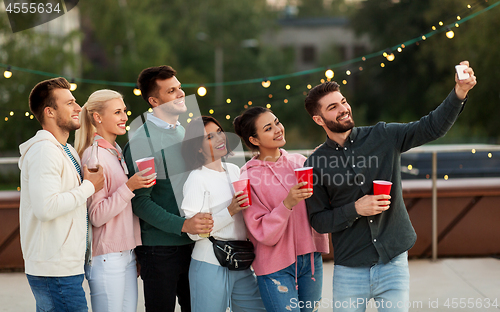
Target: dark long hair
<point>244,125</point>
<point>193,140</point>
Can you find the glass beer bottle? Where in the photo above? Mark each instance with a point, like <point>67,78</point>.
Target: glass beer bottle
<point>205,208</point>
<point>94,159</point>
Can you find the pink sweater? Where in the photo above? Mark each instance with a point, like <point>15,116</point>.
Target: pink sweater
<point>114,227</point>
<point>278,234</point>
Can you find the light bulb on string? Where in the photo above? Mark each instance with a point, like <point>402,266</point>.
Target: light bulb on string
<point>440,23</point>
<point>348,72</point>
<point>26,114</point>
<point>137,91</point>
<point>433,27</point>
<point>202,91</point>
<point>424,37</point>
<point>287,87</point>
<point>11,113</point>
<point>7,73</point>
<point>211,111</point>
<point>449,33</point>
<point>72,85</point>
<point>458,17</point>
<point>469,6</point>
<point>228,101</point>
<point>266,83</point>
<point>389,55</point>
<point>400,50</point>
<point>309,86</point>
<point>457,25</point>
<point>329,73</point>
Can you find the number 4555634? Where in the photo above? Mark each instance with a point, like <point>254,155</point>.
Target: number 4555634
<point>471,303</point>
<point>27,8</point>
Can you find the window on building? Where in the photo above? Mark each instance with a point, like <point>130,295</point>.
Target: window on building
<point>308,54</point>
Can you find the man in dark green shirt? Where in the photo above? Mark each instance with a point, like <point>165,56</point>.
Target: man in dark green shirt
<point>370,233</point>
<point>165,253</point>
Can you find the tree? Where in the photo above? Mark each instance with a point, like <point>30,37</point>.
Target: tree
<point>422,75</point>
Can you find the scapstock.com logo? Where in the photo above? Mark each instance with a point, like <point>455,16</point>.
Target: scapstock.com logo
<point>25,14</point>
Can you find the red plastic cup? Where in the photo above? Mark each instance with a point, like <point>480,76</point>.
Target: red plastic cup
<point>243,185</point>
<point>381,187</point>
<point>305,175</point>
<point>145,163</point>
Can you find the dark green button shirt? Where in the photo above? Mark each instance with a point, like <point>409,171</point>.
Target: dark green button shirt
<point>343,174</point>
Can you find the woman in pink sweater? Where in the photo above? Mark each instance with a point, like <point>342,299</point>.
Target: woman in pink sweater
<point>115,229</point>
<point>288,261</point>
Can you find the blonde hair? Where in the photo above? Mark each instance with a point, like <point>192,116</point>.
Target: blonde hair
<point>96,103</point>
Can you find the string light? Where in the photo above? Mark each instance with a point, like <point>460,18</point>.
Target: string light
<point>266,83</point>
<point>270,96</point>
<point>473,151</point>
<point>348,72</point>
<point>458,17</point>
<point>11,113</point>
<point>382,65</point>
<point>309,86</point>
<point>344,81</point>
<point>190,114</point>
<point>202,91</point>
<point>7,73</point>
<point>72,85</point>
<point>360,68</point>
<point>424,37</point>
<point>137,91</point>
<point>268,105</point>
<point>433,27</point>
<point>188,120</point>
<point>127,128</point>
<point>410,167</point>
<point>363,58</point>
<point>26,114</point>
<point>228,117</point>
<point>403,46</point>
<point>329,73</point>
<point>211,111</point>
<point>6,118</point>
<point>322,80</point>
<point>150,110</point>
<point>457,25</point>
<point>287,87</point>
<point>440,23</point>
<point>389,55</point>
<point>449,33</point>
<point>228,101</point>
<point>285,101</point>
<point>129,113</point>
<point>490,155</point>
<point>469,6</point>
<point>400,50</point>
<point>31,116</point>
<point>250,103</point>
<point>446,177</point>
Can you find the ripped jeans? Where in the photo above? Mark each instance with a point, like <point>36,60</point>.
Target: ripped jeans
<point>278,289</point>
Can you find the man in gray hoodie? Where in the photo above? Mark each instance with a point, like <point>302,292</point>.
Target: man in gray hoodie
<point>53,211</point>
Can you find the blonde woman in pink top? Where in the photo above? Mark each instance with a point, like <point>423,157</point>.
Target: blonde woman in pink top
<point>112,275</point>
<point>288,261</point>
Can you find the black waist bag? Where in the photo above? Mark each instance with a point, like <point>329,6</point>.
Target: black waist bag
<point>234,255</point>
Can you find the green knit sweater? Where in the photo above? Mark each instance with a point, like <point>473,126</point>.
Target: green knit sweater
<point>157,206</point>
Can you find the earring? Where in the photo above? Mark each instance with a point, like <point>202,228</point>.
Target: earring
<point>100,121</point>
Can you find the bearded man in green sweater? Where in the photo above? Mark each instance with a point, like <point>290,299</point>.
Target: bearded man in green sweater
<point>165,253</point>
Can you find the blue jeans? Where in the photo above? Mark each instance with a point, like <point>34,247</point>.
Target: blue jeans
<point>388,284</point>
<point>278,289</point>
<point>215,288</point>
<point>61,294</point>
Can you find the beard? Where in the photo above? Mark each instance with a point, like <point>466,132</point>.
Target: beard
<point>67,125</point>
<point>337,127</point>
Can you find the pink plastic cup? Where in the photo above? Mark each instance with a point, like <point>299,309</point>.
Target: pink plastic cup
<point>381,187</point>
<point>145,163</point>
<point>305,175</point>
<point>243,185</point>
